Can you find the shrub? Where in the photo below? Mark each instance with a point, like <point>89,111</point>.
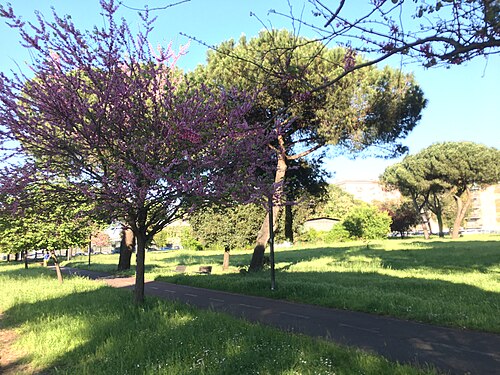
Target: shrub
<point>234,227</point>
<point>367,223</point>
<point>337,234</point>
<point>188,241</point>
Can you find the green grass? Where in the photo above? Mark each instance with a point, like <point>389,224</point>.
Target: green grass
<point>453,283</point>
<point>85,327</point>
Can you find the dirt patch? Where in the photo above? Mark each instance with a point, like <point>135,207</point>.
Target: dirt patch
<point>10,357</point>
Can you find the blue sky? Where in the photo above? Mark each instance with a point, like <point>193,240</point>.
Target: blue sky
<point>464,101</point>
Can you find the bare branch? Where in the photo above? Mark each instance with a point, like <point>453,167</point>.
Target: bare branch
<point>305,153</point>
<point>147,9</point>
<point>341,5</point>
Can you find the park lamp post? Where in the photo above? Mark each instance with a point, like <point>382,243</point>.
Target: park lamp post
<point>90,246</point>
<point>271,243</point>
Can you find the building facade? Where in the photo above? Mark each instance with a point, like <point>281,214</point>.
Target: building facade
<point>484,215</point>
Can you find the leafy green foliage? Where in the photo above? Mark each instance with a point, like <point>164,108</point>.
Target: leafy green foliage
<point>337,234</point>
<point>188,240</point>
<point>368,107</point>
<point>445,169</point>
<point>338,203</point>
<point>168,235</point>
<point>367,223</point>
<point>43,222</point>
<point>232,227</point>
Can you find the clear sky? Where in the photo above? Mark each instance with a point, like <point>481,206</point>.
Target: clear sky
<point>464,101</point>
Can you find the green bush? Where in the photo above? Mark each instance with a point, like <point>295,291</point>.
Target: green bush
<point>367,223</point>
<point>233,227</point>
<point>188,241</point>
<point>312,235</point>
<point>337,234</point>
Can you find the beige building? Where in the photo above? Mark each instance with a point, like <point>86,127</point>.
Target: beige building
<point>324,224</point>
<point>368,191</point>
<point>485,211</point>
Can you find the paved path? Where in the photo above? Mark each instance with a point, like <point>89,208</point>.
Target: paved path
<point>453,350</point>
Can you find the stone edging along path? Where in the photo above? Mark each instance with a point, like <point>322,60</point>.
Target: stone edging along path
<point>454,351</point>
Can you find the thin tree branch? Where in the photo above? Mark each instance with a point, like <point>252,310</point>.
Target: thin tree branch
<point>152,9</point>
<point>305,153</point>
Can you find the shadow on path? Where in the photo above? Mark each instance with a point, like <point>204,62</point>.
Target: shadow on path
<point>452,350</point>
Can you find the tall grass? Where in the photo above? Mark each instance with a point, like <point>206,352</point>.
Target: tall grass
<point>453,283</point>
<point>84,327</point>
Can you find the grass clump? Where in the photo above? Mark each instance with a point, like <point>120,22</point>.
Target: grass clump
<point>84,327</point>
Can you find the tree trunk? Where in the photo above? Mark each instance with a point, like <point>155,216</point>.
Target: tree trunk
<point>425,224</point>
<point>436,207</point>
<point>423,217</point>
<point>461,211</point>
<point>56,263</point>
<point>257,261</point>
<point>139,270</point>
<point>225,263</point>
<point>127,245</point>
<point>439,217</point>
<point>26,259</point>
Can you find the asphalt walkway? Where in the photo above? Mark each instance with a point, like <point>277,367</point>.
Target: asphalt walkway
<point>453,351</point>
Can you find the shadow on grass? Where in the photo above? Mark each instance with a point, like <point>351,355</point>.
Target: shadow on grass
<point>16,271</point>
<point>421,299</point>
<point>441,256</point>
<point>460,256</point>
<point>102,332</point>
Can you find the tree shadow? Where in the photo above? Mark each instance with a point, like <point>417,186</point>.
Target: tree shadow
<point>168,338</point>
<point>32,272</point>
<point>421,299</point>
<point>463,256</point>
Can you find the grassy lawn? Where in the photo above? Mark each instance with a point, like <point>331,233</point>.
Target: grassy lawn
<point>85,327</point>
<point>454,283</point>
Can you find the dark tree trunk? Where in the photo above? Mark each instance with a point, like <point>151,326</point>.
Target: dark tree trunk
<point>257,258</point>
<point>16,257</point>
<point>58,268</point>
<point>127,245</point>
<point>437,208</point>
<point>8,257</point>
<point>257,261</point>
<point>26,259</point>
<point>439,217</point>
<point>139,271</point>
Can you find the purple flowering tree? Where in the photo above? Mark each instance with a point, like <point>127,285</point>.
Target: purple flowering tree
<point>111,117</point>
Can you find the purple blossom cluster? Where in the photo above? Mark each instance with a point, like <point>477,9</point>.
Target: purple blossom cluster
<point>113,118</point>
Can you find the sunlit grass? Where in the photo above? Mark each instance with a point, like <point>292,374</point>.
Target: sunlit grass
<point>84,327</point>
<point>446,282</point>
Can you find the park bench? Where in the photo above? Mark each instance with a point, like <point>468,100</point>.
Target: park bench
<point>180,269</point>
